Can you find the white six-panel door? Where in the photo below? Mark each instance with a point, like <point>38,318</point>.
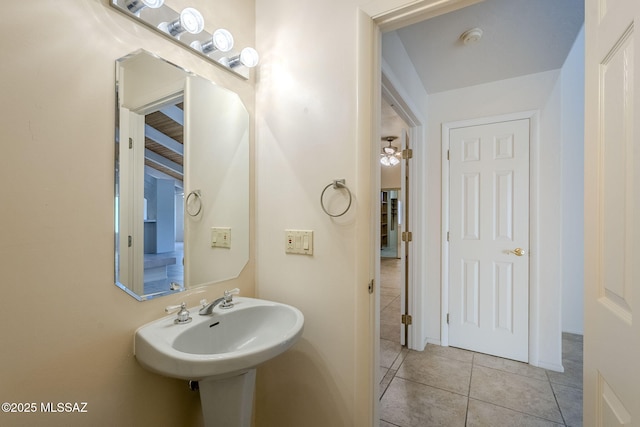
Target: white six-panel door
<point>612,213</point>
<point>489,238</point>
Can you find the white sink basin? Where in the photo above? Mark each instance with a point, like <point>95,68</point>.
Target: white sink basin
<point>228,342</point>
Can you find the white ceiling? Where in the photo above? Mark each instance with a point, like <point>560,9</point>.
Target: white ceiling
<point>519,37</point>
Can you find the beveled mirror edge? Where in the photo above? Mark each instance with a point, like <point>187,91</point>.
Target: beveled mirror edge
<point>117,105</point>
<point>240,71</point>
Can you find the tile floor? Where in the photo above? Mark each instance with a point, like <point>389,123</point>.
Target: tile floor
<point>446,386</point>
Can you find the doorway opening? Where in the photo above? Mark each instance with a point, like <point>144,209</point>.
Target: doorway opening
<point>163,212</point>
<point>398,257</point>
<point>547,355</point>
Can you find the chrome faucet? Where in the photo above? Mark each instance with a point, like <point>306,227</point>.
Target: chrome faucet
<point>225,302</point>
<point>183,314</point>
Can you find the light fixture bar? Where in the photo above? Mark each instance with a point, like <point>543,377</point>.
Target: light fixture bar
<point>186,29</point>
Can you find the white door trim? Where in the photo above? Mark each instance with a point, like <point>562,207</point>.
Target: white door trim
<point>534,174</point>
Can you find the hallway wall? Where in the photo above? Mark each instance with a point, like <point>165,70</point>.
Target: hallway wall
<point>573,189</point>
<point>314,125</point>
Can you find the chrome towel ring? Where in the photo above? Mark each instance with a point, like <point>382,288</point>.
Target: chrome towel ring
<point>336,184</point>
<point>197,201</point>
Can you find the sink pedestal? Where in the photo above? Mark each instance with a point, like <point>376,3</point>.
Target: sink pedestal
<point>228,401</point>
<point>221,351</point>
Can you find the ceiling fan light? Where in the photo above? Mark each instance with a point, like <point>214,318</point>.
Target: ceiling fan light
<point>393,160</point>
<point>385,161</point>
<point>390,151</point>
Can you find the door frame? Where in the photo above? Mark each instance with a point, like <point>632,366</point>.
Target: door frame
<point>392,91</point>
<point>534,175</point>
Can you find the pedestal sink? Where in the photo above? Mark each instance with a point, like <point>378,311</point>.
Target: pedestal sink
<point>221,351</point>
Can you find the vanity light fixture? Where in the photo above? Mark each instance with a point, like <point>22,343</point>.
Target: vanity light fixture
<point>135,6</point>
<point>248,57</point>
<point>190,21</point>
<point>221,40</point>
<point>186,28</point>
<point>390,154</point>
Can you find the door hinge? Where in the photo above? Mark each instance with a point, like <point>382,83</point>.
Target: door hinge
<point>407,153</point>
<point>447,318</point>
<point>407,236</point>
<point>129,241</point>
<point>130,143</point>
<point>447,236</point>
<point>371,284</point>
<point>447,154</point>
<point>406,319</point>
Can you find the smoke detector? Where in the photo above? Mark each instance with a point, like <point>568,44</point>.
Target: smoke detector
<point>471,36</point>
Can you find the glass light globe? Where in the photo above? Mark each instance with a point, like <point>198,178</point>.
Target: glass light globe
<point>222,40</point>
<point>153,4</point>
<point>249,57</point>
<point>389,150</point>
<point>191,20</point>
<point>393,160</point>
<point>385,161</point>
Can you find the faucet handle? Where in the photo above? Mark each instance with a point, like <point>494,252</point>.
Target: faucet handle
<point>173,308</point>
<point>183,314</point>
<point>228,298</point>
<point>228,295</point>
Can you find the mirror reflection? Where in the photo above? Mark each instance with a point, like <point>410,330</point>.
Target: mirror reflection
<point>182,179</point>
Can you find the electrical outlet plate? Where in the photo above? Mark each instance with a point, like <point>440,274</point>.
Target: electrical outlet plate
<point>221,237</point>
<point>299,242</point>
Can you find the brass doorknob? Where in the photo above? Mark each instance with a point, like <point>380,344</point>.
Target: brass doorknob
<point>518,251</point>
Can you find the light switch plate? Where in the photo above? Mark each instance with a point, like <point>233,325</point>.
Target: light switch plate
<point>221,237</point>
<point>298,242</point>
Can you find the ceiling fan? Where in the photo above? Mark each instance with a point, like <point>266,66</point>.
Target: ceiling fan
<point>390,155</point>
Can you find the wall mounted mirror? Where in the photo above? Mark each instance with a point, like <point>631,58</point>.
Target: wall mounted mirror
<point>181,179</point>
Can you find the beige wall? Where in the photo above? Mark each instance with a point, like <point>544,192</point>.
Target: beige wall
<point>66,328</point>
<point>313,126</point>
<point>314,107</point>
<point>390,177</point>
